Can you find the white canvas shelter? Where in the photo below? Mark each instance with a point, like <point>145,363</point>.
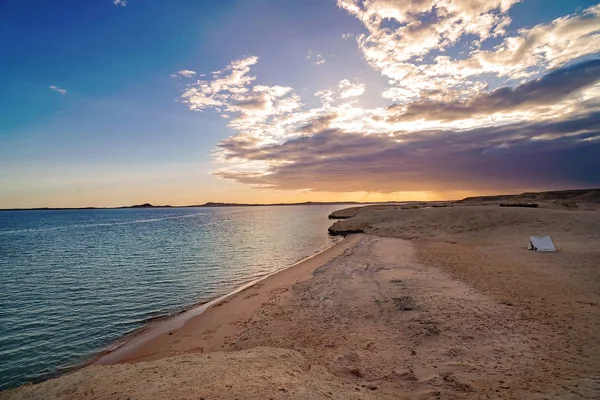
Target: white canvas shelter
<point>541,243</point>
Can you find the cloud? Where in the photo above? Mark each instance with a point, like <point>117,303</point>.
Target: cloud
<point>350,89</point>
<point>187,73</point>
<point>259,102</point>
<point>262,111</point>
<point>422,26</point>
<point>542,47</point>
<point>347,35</point>
<point>344,148</point>
<point>121,3</point>
<point>227,84</point>
<point>327,97</point>
<point>511,109</point>
<point>406,41</point>
<point>518,155</point>
<point>318,124</point>
<point>546,91</point>
<point>58,89</point>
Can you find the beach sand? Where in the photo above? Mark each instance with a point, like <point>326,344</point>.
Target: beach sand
<point>433,303</point>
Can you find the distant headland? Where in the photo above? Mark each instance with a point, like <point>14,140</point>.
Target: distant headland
<point>574,195</point>
<point>209,204</point>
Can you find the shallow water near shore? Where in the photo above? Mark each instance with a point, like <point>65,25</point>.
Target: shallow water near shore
<point>75,281</point>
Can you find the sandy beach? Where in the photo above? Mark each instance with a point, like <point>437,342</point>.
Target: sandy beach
<point>314,199</point>
<point>426,302</point>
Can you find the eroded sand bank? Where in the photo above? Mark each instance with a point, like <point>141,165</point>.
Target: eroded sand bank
<point>430,303</point>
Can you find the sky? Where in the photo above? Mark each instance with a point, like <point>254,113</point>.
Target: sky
<point>119,102</point>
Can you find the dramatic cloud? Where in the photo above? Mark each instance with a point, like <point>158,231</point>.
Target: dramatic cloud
<point>57,89</point>
<point>422,26</point>
<point>541,47</point>
<point>344,148</point>
<point>517,155</point>
<point>546,91</point>
<point>472,106</point>
<point>410,52</point>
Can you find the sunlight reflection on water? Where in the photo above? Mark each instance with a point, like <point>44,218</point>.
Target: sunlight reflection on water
<point>75,281</point>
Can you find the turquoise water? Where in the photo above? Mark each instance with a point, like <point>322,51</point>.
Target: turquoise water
<point>73,282</point>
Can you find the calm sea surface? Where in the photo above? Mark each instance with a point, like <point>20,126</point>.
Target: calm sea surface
<point>73,282</point>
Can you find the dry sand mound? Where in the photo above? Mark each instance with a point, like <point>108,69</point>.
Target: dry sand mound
<point>259,373</point>
<point>469,221</point>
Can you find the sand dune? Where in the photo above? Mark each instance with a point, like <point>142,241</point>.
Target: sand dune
<point>259,373</point>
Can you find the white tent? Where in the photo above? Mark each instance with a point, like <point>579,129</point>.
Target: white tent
<point>541,243</point>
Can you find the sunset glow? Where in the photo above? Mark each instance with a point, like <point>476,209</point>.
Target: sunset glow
<point>262,102</point>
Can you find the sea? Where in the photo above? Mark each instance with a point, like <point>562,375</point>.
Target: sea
<point>75,282</point>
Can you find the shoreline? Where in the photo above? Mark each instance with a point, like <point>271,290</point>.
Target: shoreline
<point>426,303</point>
<point>134,340</point>
<point>427,294</point>
<point>110,353</point>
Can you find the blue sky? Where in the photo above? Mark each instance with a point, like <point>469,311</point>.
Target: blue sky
<point>93,112</point>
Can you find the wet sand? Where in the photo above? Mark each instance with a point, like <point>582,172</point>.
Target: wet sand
<point>217,319</point>
<point>428,303</point>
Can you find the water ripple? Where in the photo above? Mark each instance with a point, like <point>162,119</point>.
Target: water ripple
<point>73,282</point>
